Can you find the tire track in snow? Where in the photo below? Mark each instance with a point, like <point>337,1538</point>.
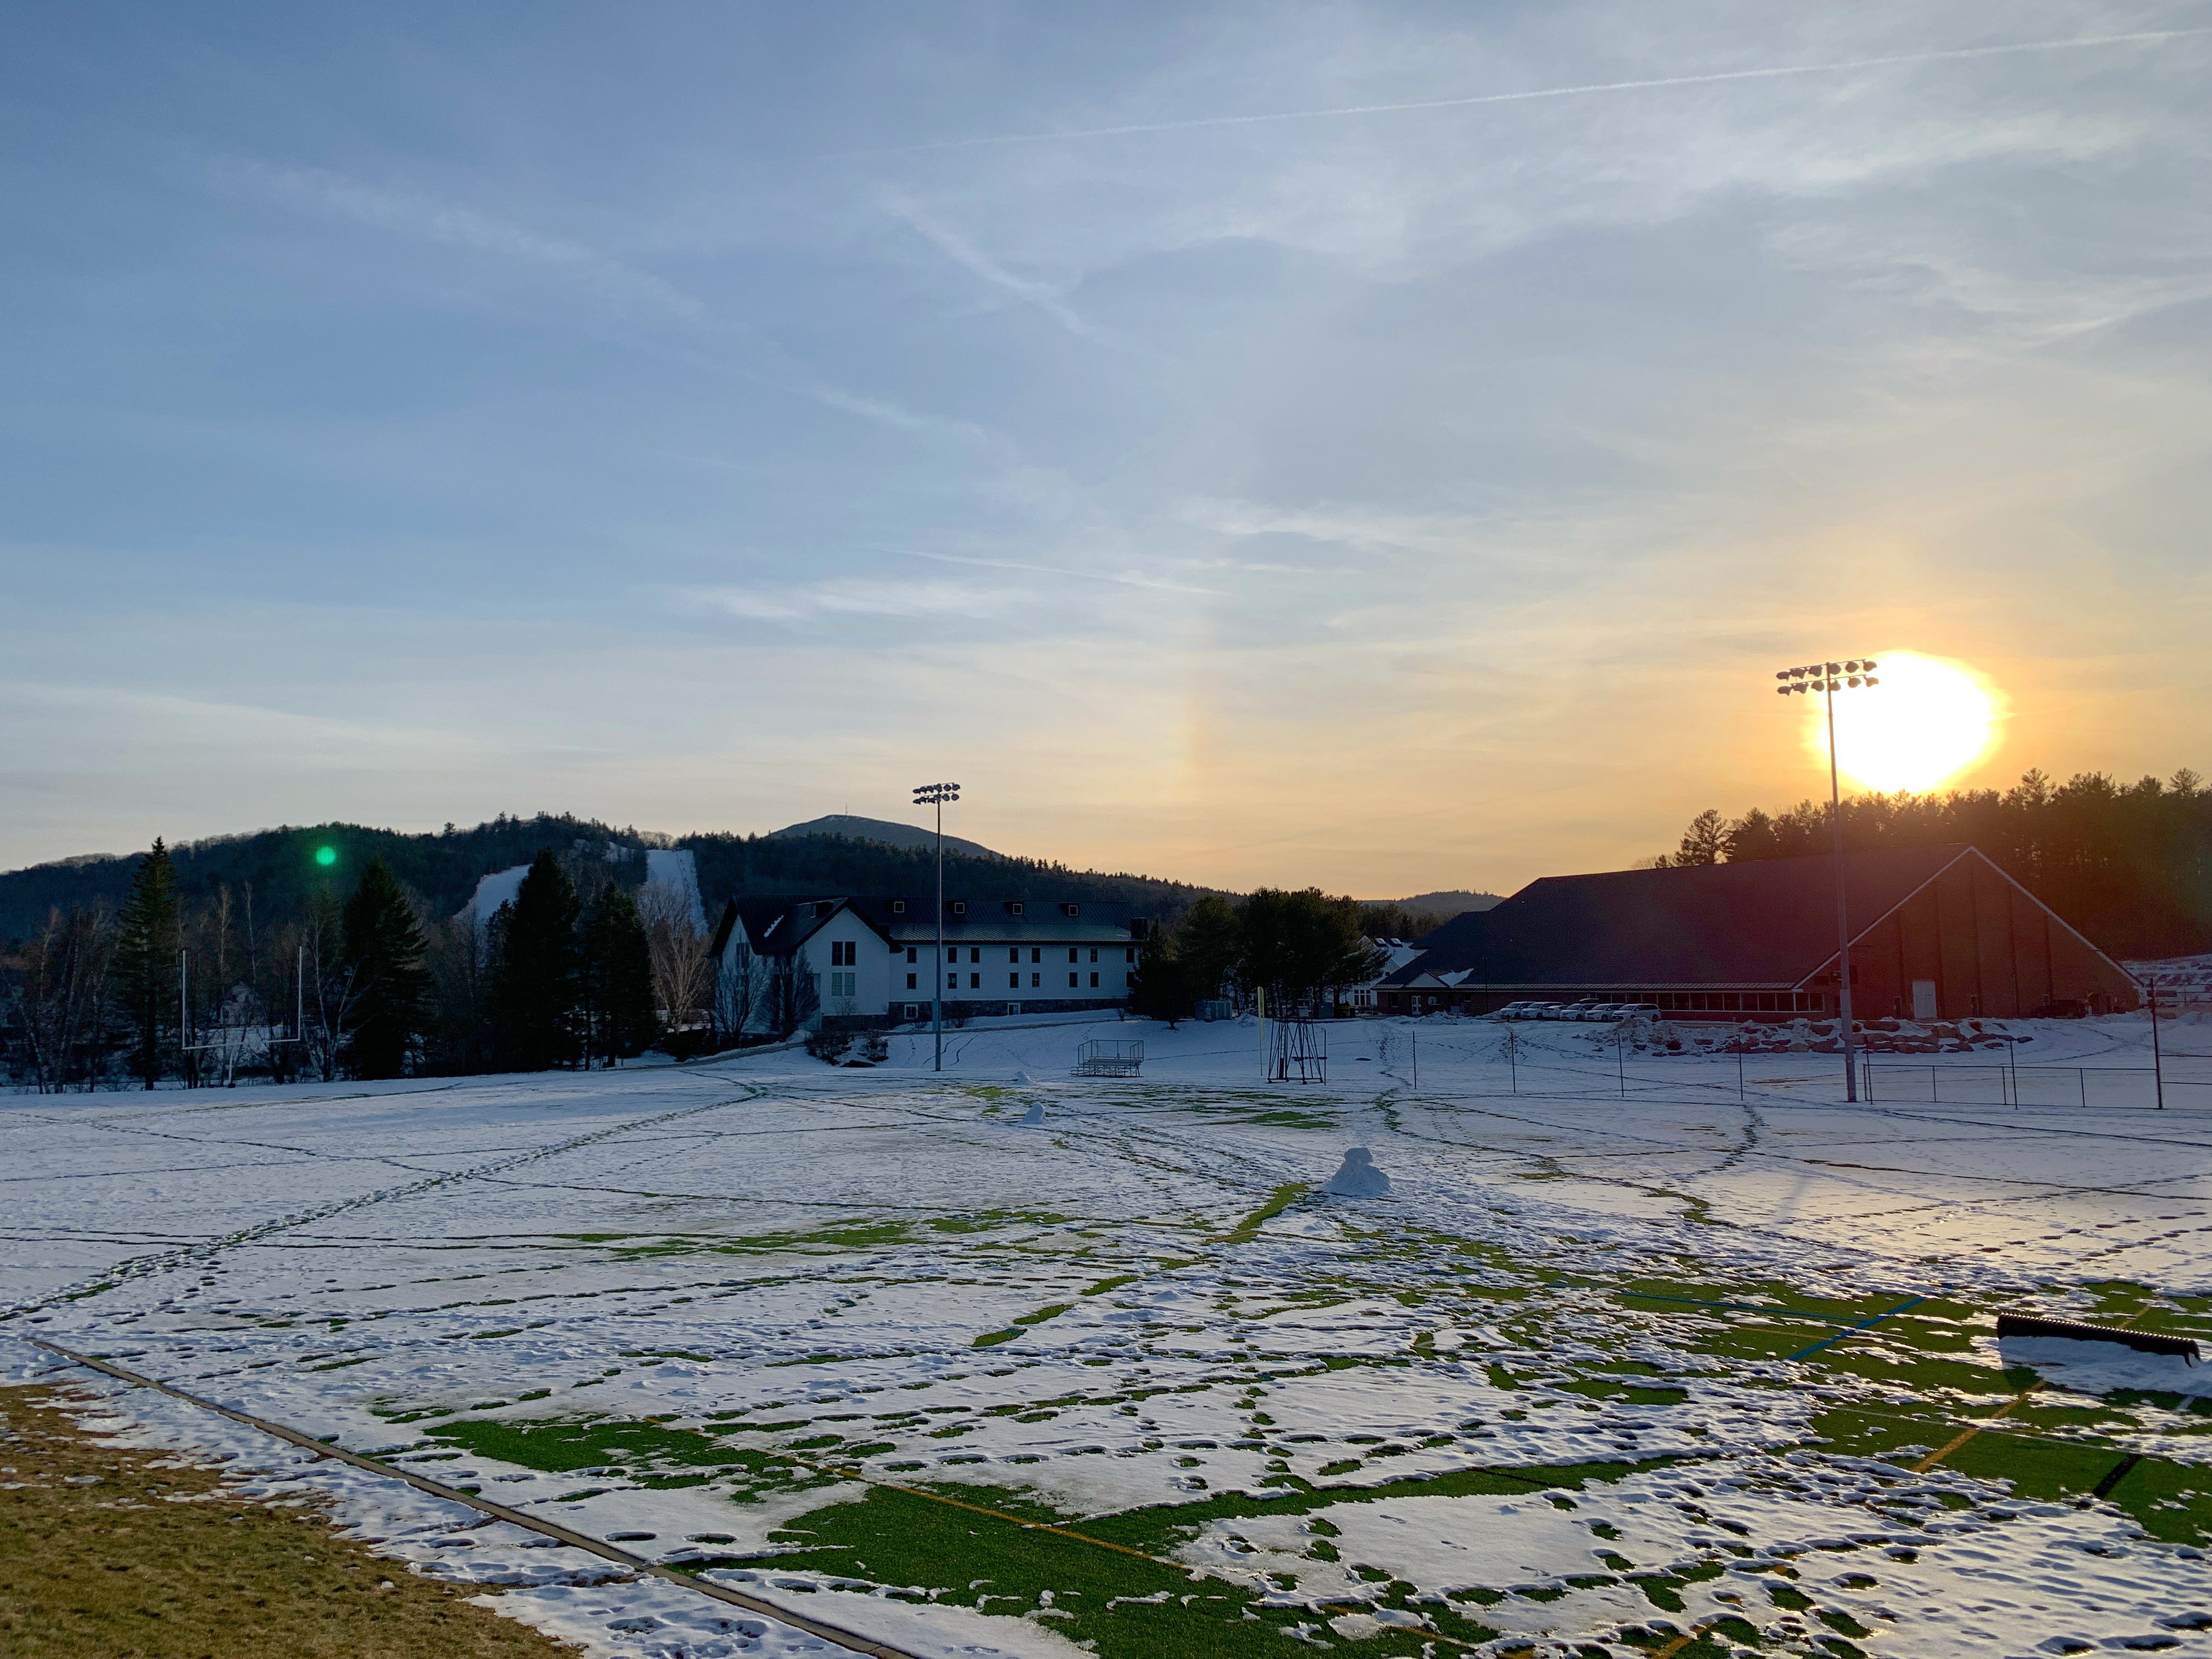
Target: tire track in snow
<point>148,1266</point>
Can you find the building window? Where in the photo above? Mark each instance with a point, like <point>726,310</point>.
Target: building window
<point>909,952</point>
<point>1037,953</point>
<point>1071,956</point>
<point>898,906</point>
<point>1070,909</point>
<point>1014,953</point>
<point>843,952</point>
<point>974,982</point>
<point>1015,908</point>
<point>1013,981</point>
<point>843,985</point>
<point>909,982</point>
<point>952,981</point>
<point>912,1010</point>
<point>975,953</point>
<point>1094,982</point>
<point>1070,981</point>
<point>960,906</point>
<point>1094,956</point>
<point>1036,982</point>
<point>1130,955</point>
<point>1125,981</point>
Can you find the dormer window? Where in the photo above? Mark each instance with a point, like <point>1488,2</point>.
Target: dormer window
<point>1070,909</point>
<point>1014,909</point>
<point>898,906</point>
<point>960,906</point>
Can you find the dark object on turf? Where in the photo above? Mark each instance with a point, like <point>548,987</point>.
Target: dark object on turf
<point>2142,1341</point>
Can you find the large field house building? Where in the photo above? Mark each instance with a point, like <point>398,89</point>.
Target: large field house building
<point>1937,932</point>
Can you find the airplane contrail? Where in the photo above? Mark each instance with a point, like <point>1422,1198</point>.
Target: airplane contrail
<point>1655,82</point>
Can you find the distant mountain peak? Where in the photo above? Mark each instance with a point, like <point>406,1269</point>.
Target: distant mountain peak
<point>882,831</point>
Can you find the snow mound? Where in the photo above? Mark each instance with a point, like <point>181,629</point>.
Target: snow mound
<point>1357,1177</point>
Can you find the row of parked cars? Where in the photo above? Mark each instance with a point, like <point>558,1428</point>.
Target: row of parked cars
<point>1584,1010</point>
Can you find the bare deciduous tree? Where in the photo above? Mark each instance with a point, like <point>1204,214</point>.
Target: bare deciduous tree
<point>741,992</point>
<point>682,974</point>
<point>329,985</point>
<point>56,995</point>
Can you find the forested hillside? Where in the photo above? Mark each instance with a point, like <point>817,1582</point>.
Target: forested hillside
<point>282,870</point>
<point>2128,864</point>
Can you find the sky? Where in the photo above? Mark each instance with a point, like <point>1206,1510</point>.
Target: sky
<point>1386,448</point>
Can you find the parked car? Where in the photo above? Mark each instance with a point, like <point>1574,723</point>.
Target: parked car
<point>1522,1010</point>
<point>1636,1011</point>
<point>1596,1011</point>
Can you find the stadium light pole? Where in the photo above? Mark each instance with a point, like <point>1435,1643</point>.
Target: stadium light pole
<point>936,794</point>
<point>1828,678</point>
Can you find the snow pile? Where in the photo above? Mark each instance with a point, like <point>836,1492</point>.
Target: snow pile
<point>1357,1177</point>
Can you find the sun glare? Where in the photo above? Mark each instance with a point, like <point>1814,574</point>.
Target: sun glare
<point>1926,722</point>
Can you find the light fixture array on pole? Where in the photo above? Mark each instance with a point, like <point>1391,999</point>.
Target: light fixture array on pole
<point>936,795</point>
<point>1853,674</point>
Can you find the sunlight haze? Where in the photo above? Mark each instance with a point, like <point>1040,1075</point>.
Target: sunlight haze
<point>1384,448</point>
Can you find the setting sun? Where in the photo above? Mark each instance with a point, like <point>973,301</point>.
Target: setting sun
<point>1923,724</point>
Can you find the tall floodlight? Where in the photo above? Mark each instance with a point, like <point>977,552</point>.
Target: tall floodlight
<point>936,794</point>
<point>1828,678</point>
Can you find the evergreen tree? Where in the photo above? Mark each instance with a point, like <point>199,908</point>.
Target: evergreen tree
<point>147,941</point>
<point>1704,842</point>
<point>384,947</point>
<point>617,977</point>
<point>1208,945</point>
<point>536,983</point>
<point>1299,946</point>
<point>1161,986</point>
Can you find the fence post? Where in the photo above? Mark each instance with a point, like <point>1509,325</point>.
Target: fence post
<point>2157,1062</point>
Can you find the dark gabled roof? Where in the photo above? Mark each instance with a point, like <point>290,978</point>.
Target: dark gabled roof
<point>1769,923</point>
<point>774,925</point>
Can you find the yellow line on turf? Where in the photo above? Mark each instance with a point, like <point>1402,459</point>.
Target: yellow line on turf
<point>2002,1413</point>
<point>977,1509</point>
<point>1682,1642</point>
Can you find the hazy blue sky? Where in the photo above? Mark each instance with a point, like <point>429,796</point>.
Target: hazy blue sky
<point>711,415</point>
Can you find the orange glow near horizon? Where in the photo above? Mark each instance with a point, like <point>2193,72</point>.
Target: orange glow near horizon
<point>1927,721</point>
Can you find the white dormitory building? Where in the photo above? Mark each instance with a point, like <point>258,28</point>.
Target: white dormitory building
<point>873,962</point>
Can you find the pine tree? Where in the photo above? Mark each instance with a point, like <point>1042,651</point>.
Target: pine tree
<point>147,941</point>
<point>384,947</point>
<point>618,976</point>
<point>1704,842</point>
<point>1299,947</point>
<point>1208,946</point>
<point>537,983</point>
<point>1161,986</point>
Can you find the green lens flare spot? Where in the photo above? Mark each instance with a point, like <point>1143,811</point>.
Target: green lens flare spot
<point>327,856</point>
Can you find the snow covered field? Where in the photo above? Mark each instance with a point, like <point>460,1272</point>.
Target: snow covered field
<point>1621,1357</point>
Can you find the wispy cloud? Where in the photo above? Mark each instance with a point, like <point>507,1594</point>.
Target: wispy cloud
<point>884,412</point>
<point>855,597</point>
<point>1648,83</point>
<point>1119,578</point>
<point>425,218</point>
<point>1042,296</point>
